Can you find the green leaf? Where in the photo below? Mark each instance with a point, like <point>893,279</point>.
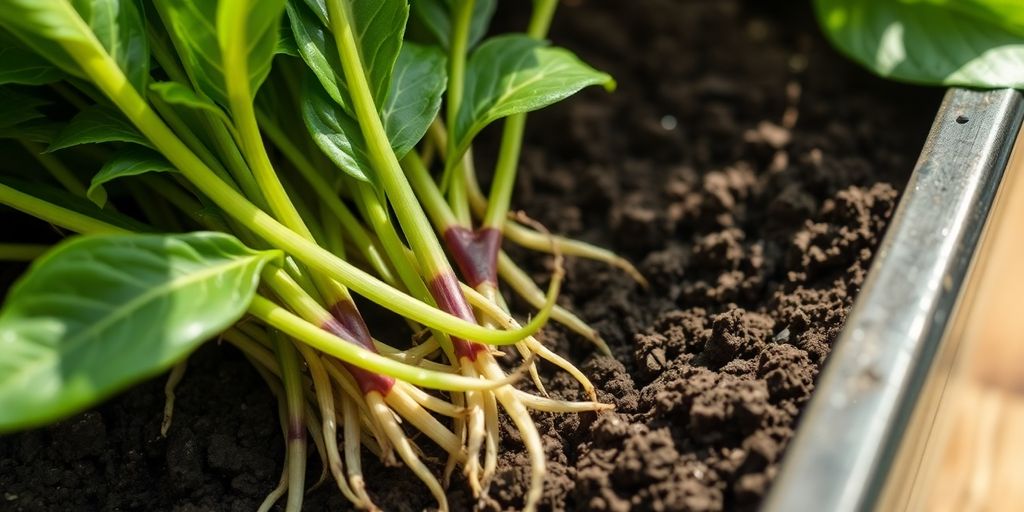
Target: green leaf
<point>118,26</point>
<point>99,313</point>
<point>414,97</point>
<point>335,132</point>
<point>130,161</point>
<point>94,125</point>
<point>193,28</point>
<point>25,67</point>
<point>513,74</point>
<point>286,44</point>
<point>975,43</point>
<point>260,21</point>
<point>19,107</point>
<point>379,26</point>
<point>436,17</point>
<point>414,100</point>
<point>43,26</point>
<point>175,93</point>
<point>316,47</point>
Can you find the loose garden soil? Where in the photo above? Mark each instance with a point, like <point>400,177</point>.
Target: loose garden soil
<point>745,167</point>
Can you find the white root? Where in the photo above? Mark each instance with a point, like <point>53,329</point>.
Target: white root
<point>431,402</point>
<point>407,408</point>
<point>353,462</point>
<point>172,382</point>
<point>404,447</point>
<point>325,398</point>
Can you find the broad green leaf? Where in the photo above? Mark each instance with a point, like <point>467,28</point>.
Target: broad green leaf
<point>378,25</point>
<point>513,74</point>
<point>316,47</point>
<point>177,94</point>
<point>74,203</point>
<point>118,26</point>
<point>130,161</point>
<point>46,26</point>
<point>99,313</point>
<point>436,17</point>
<point>43,26</point>
<point>977,43</point>
<point>258,21</point>
<point>193,28</point>
<point>335,132</point>
<point>286,44</point>
<point>1008,14</point>
<point>94,125</point>
<point>414,99</point>
<point>19,107</point>
<point>25,67</point>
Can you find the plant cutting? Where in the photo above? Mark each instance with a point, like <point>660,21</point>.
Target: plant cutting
<point>755,242</point>
<point>253,156</point>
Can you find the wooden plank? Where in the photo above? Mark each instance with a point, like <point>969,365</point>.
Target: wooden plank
<point>974,459</point>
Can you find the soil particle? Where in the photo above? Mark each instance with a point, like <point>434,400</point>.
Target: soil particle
<point>746,168</point>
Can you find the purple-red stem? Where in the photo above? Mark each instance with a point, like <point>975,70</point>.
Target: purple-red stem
<point>475,253</point>
<point>347,324</point>
<point>445,290</point>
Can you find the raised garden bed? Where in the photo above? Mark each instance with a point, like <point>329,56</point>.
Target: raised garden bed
<point>748,170</point>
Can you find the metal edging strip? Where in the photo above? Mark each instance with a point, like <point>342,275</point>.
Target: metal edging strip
<point>849,433</point>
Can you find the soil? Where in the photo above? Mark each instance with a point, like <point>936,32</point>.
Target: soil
<point>746,168</point>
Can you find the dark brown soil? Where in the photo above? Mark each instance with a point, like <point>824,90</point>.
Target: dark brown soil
<point>747,169</point>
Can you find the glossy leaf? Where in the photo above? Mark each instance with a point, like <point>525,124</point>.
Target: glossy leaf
<point>118,25</point>
<point>177,94</point>
<point>335,132</point>
<point>413,102</point>
<point>193,28</point>
<point>414,98</point>
<point>436,17</point>
<point>43,26</point>
<point>514,74</point>
<point>130,161</point>
<point>259,21</point>
<point>98,313</point>
<point>286,44</point>
<point>94,125</point>
<point>316,47</point>
<point>977,43</point>
<point>378,25</point>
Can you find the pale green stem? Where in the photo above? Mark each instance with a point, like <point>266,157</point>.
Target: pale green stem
<point>415,225</point>
<point>294,326</point>
<point>56,215</point>
<point>512,137</point>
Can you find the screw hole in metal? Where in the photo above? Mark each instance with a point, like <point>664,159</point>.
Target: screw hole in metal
<point>962,119</point>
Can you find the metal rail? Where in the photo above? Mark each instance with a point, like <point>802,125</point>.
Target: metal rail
<point>856,422</point>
